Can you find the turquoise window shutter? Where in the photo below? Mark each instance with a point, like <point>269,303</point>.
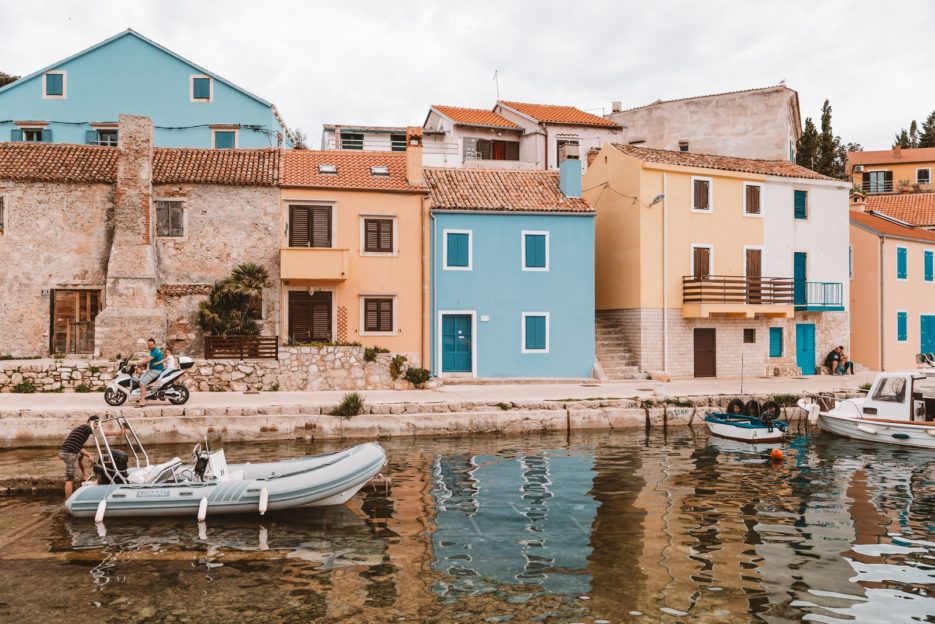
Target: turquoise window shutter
<point>535,251</point>
<point>902,324</point>
<point>458,251</point>
<point>775,342</point>
<point>224,140</point>
<point>801,204</point>
<point>929,266</point>
<point>201,88</point>
<point>16,134</point>
<point>535,333</point>
<point>46,135</point>
<point>90,137</point>
<point>53,84</point>
<point>902,270</point>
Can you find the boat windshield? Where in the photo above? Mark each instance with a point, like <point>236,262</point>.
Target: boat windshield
<point>925,387</point>
<point>892,389</point>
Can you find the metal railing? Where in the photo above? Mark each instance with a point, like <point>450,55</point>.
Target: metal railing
<point>737,289</point>
<point>877,186</point>
<point>819,295</point>
<point>241,347</point>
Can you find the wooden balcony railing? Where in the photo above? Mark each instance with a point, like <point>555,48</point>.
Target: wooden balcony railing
<point>738,289</point>
<point>241,347</point>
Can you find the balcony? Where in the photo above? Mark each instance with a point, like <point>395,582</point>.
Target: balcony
<point>325,264</point>
<point>737,296</point>
<point>877,186</point>
<point>819,296</point>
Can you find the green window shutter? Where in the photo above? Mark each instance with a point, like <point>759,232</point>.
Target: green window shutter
<point>902,270</point>
<point>46,135</point>
<point>535,333</point>
<point>902,324</point>
<point>535,251</point>
<point>201,88</point>
<point>775,342</point>
<point>16,134</point>
<point>53,84</point>
<point>801,204</point>
<point>90,137</point>
<point>224,140</point>
<point>929,266</point>
<point>458,249</point>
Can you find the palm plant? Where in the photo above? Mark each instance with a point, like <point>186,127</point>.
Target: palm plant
<point>227,309</point>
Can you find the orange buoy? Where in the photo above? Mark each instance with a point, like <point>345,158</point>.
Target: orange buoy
<point>776,455</point>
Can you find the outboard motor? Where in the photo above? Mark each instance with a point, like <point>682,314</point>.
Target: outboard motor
<point>112,472</point>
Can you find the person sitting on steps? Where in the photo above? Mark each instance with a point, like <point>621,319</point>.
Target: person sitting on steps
<point>838,363</point>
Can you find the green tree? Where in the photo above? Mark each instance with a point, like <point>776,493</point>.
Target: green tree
<point>902,139</point>
<point>6,79</point>
<point>231,307</point>
<point>913,134</point>
<point>299,140</point>
<point>828,144</point>
<point>927,136</point>
<point>806,148</point>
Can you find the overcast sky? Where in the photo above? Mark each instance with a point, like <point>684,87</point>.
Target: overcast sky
<point>385,62</point>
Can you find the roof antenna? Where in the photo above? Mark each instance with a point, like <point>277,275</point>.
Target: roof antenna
<point>497,80</point>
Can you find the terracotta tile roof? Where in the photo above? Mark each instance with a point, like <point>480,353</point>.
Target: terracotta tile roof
<point>475,117</point>
<point>879,157</point>
<point>499,190</point>
<point>548,113</point>
<point>781,168</point>
<point>880,225</point>
<point>913,208</point>
<point>63,162</point>
<point>300,168</point>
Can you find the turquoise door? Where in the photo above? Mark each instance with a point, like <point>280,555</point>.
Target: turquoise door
<point>805,347</point>
<point>928,334</point>
<point>456,343</point>
<point>799,276</point>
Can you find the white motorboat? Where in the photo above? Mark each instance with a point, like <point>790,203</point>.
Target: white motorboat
<point>899,409</point>
<point>211,486</point>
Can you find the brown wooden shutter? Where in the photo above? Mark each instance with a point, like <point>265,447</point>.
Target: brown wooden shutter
<point>386,235</point>
<point>702,262</point>
<point>298,226</point>
<point>386,315</point>
<point>371,235</point>
<point>321,226</point>
<point>321,317</point>
<point>299,316</point>
<point>887,182</point>
<point>378,315</point>
<point>512,150</point>
<point>701,195</point>
<point>371,312</point>
<point>753,200</point>
<point>485,149</point>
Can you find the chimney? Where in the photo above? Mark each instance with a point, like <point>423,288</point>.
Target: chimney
<point>414,173</point>
<point>569,178</point>
<point>897,151</point>
<point>616,107</point>
<point>858,202</point>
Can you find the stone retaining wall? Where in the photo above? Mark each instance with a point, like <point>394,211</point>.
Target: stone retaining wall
<point>297,369</point>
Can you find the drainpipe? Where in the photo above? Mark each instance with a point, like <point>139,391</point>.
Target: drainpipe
<point>882,305</point>
<point>434,265</point>
<point>665,273</point>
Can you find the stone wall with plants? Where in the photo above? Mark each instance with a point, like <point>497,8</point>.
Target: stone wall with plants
<point>306,368</point>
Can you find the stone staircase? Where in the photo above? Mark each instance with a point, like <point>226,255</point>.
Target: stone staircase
<point>615,357</point>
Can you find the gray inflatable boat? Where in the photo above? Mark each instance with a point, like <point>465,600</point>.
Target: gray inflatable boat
<point>211,486</point>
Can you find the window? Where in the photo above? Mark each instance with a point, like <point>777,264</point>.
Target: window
<point>775,342</point>
<point>328,169</point>
<point>902,266</point>
<point>378,235</point>
<point>751,199</point>
<point>169,218</point>
<point>457,251</point>
<point>381,171</point>
<point>535,332</point>
<point>54,85</point>
<point>202,89</point>
<point>484,149</point>
<point>31,135</point>
<point>398,142</point>
<point>378,314</point>
<point>800,204</point>
<point>683,146</point>
<point>566,148</point>
<point>310,226</point>
<point>102,136</point>
<point>878,182</point>
<point>701,194</point>
<point>929,265</point>
<point>225,139</point>
<point>902,326</point>
<point>352,141</point>
<point>923,176</point>
<point>749,336</point>
<point>535,251</point>
<point>891,389</point>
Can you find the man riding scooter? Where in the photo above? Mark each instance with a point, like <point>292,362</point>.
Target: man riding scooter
<point>154,365</point>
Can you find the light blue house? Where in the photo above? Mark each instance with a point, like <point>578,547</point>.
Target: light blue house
<point>78,100</point>
<point>512,273</point>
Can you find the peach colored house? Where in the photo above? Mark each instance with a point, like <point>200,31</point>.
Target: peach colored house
<point>892,290</point>
<point>353,248</point>
<point>893,170</point>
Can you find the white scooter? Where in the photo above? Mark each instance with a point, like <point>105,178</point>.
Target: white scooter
<point>164,387</point>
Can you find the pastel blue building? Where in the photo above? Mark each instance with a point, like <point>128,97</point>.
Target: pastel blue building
<point>79,99</point>
<point>512,273</point>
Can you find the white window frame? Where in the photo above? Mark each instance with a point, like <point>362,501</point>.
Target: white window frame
<point>929,169</point>
<point>522,250</point>
<point>548,332</point>
<point>898,312</point>
<point>755,215</point>
<point>191,88</point>
<point>362,330</point>
<point>866,177</point>
<point>363,236</point>
<point>31,128</point>
<point>439,365</point>
<point>181,202</point>
<point>470,264</point>
<point>64,95</point>
<point>710,181</point>
<point>710,248</point>
<point>906,249</point>
<point>214,132</point>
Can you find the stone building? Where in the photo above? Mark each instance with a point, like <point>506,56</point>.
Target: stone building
<point>103,247</point>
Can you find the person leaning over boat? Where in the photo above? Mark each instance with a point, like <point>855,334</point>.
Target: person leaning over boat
<point>154,364</point>
<point>72,451</point>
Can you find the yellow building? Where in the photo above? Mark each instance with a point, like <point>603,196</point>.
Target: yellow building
<point>717,266</point>
<point>353,248</point>
<point>893,170</point>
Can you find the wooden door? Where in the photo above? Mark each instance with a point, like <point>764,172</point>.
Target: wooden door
<point>754,276</point>
<point>72,320</point>
<point>705,352</point>
<point>310,316</point>
<point>702,262</point>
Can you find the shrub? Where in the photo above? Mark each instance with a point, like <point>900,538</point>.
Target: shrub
<point>396,366</point>
<point>84,387</point>
<point>504,406</point>
<point>24,387</point>
<point>417,376</point>
<point>678,402</point>
<point>370,353</point>
<point>787,400</point>
<point>865,386</point>
<point>58,356</point>
<point>232,305</point>
<point>274,387</point>
<point>351,405</point>
<point>94,370</point>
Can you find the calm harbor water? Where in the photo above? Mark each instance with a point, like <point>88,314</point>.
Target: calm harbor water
<point>621,527</point>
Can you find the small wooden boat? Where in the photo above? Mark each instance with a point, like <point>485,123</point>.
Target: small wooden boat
<point>211,486</point>
<point>744,428</point>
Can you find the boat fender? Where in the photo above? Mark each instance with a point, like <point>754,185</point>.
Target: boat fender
<point>752,408</point>
<point>101,508</point>
<point>866,429</point>
<point>202,531</point>
<point>813,412</point>
<point>203,509</point>
<point>901,436</point>
<point>735,406</point>
<point>264,500</point>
